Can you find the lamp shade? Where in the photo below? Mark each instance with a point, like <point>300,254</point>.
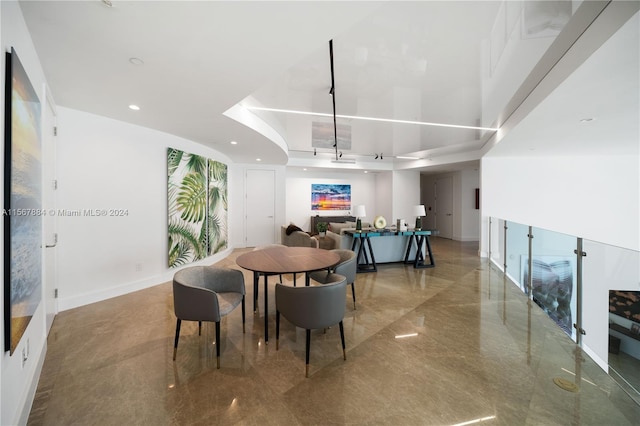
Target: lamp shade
<point>419,211</point>
<point>359,211</point>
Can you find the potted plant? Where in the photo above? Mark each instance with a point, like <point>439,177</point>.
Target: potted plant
<point>322,228</point>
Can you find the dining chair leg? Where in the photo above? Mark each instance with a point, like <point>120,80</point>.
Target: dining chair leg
<point>175,343</point>
<point>243,315</point>
<point>344,352</point>
<point>306,368</point>
<point>277,329</point>
<point>353,293</point>
<point>199,328</point>
<point>218,344</point>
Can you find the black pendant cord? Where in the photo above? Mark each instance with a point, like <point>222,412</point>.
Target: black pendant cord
<point>333,97</point>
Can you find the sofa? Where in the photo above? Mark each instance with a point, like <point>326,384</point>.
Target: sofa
<point>340,228</point>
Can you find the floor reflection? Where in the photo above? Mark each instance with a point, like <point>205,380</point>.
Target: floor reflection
<point>448,345</point>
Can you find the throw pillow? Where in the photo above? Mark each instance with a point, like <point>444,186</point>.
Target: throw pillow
<point>291,229</point>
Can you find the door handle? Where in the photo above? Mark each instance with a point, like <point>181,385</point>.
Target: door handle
<point>449,214</point>
<point>55,242</point>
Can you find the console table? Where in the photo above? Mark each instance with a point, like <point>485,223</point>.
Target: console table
<point>363,238</point>
<point>365,255</point>
<point>421,238</point>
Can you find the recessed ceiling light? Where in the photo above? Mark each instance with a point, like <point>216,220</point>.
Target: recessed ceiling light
<point>234,143</point>
<point>258,159</point>
<point>304,170</point>
<point>136,61</point>
<point>386,120</point>
<point>366,171</point>
<point>134,107</point>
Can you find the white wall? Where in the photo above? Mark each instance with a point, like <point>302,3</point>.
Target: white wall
<point>405,195</point>
<point>298,190</point>
<point>390,194</point>
<point>384,197</point>
<point>18,382</point>
<point>594,198</point>
<point>107,164</point>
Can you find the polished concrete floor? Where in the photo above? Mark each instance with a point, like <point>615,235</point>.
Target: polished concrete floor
<point>480,351</point>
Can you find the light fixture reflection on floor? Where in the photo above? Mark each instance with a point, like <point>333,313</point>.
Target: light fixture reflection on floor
<point>573,374</point>
<point>402,336</point>
<point>474,421</point>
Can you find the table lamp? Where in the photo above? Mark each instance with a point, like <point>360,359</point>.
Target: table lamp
<point>359,213</point>
<point>418,212</point>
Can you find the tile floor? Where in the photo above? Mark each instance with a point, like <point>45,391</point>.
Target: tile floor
<point>482,351</point>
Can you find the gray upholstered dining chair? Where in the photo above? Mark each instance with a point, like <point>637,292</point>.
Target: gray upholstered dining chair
<point>311,308</point>
<point>206,293</point>
<point>347,266</point>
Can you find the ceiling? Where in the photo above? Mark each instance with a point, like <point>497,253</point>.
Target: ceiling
<point>208,64</point>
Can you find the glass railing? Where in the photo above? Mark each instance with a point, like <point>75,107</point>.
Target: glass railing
<point>611,310</point>
<point>516,249</point>
<point>589,289</point>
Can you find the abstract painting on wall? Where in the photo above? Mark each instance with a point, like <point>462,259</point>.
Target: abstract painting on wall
<point>197,202</point>
<point>22,203</point>
<point>330,197</point>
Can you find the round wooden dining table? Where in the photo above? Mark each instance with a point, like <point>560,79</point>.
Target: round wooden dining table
<point>283,260</point>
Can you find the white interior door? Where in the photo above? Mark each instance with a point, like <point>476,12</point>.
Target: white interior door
<point>260,207</point>
<point>444,207</point>
<point>49,185</point>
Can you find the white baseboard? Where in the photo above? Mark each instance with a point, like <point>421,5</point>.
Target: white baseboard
<point>601,362</point>
<point>33,386</point>
<point>66,303</point>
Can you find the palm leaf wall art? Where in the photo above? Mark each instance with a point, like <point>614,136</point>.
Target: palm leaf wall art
<point>197,207</point>
<point>217,213</point>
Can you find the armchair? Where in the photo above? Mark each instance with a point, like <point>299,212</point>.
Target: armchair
<point>297,238</point>
<point>347,266</point>
<point>205,293</point>
<point>312,307</point>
